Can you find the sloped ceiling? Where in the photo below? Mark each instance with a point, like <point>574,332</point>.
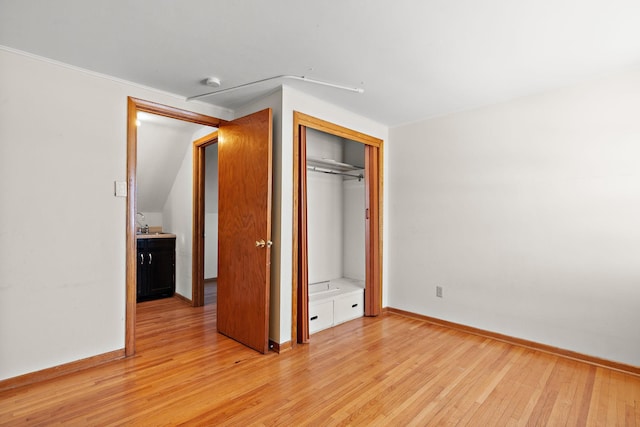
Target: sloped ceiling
<point>413,58</point>
<point>163,144</point>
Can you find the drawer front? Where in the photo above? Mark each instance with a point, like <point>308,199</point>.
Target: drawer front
<point>320,315</point>
<point>348,307</point>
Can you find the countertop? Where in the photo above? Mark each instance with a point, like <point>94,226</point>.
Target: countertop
<point>155,236</point>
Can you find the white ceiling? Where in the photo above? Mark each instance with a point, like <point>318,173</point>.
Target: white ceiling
<point>414,58</point>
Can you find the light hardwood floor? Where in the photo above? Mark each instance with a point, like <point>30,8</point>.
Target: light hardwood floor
<point>390,370</point>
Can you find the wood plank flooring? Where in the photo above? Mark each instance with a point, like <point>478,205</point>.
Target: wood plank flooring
<point>388,371</point>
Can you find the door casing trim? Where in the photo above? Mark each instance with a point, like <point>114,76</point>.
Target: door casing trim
<point>373,190</point>
<point>135,105</point>
<point>197,254</point>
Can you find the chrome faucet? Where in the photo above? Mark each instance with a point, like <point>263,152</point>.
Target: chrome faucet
<point>140,219</point>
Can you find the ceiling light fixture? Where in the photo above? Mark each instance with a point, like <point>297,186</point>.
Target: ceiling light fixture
<point>299,78</point>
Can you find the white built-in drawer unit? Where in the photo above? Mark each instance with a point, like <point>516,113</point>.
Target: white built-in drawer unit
<point>343,301</point>
<point>320,315</point>
<point>347,307</point>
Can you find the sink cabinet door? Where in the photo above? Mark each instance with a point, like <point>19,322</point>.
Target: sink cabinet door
<point>141,274</point>
<point>161,278</point>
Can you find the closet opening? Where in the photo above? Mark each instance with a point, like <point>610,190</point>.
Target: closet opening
<point>337,246</point>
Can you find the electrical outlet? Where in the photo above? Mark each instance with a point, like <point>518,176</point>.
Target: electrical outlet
<point>439,291</point>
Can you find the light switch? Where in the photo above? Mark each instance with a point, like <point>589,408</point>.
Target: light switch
<point>120,188</point>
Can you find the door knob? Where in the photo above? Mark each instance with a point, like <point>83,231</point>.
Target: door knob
<point>261,243</point>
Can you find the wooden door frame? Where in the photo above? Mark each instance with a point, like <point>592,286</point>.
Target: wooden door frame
<point>373,233</point>
<point>135,105</point>
<point>197,257</point>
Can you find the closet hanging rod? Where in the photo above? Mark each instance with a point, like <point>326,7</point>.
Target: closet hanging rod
<point>332,172</point>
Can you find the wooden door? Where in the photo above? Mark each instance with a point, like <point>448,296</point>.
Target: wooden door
<point>244,229</point>
<point>373,291</point>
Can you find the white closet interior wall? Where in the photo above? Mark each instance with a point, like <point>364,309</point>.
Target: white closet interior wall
<point>353,237</point>
<point>335,212</point>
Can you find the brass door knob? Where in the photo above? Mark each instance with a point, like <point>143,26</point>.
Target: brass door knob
<point>261,243</point>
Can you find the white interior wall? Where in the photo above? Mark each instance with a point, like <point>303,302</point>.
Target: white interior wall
<point>353,153</point>
<point>211,179</point>
<point>152,219</point>
<point>211,245</point>
<point>161,143</point>
<point>324,210</point>
<point>178,219</point>
<point>63,144</point>
<point>526,213</point>
<point>177,216</point>
<point>211,212</point>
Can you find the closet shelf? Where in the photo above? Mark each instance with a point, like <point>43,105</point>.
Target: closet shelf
<point>332,165</point>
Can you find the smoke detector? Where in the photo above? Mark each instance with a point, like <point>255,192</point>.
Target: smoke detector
<point>212,81</point>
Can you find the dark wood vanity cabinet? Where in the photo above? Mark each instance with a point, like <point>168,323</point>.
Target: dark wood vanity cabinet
<point>156,261</point>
